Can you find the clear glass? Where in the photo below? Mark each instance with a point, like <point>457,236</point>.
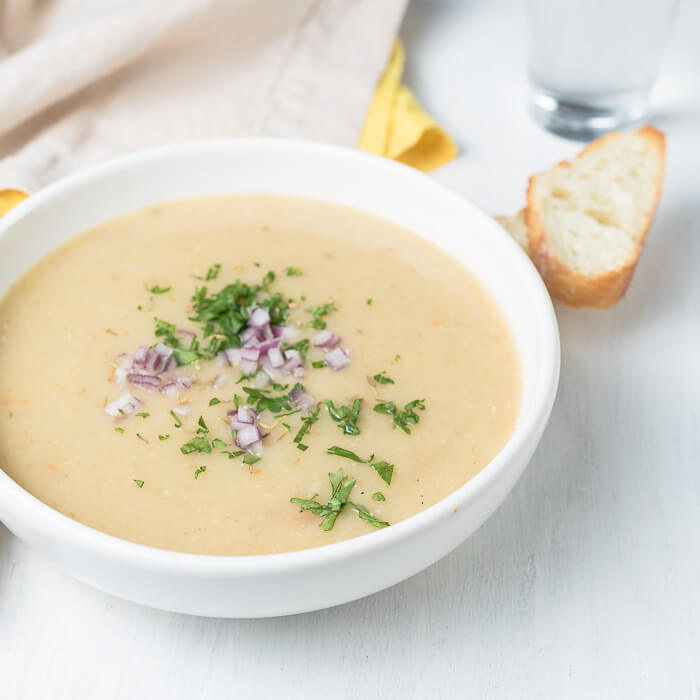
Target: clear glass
<point>593,62</point>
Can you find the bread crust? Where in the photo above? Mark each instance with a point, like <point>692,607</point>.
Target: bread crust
<point>575,289</point>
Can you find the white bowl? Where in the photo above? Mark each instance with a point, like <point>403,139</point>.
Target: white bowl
<point>294,582</point>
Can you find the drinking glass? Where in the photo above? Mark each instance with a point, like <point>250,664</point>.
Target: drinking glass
<point>593,62</point>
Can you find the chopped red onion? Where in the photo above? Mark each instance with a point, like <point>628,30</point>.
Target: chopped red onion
<point>293,359</point>
<point>170,390</point>
<point>248,335</point>
<point>298,372</point>
<point>222,359</point>
<point>268,345</point>
<point>218,381</point>
<point>126,404</point>
<point>275,357</point>
<point>337,359</point>
<point>140,355</point>
<point>233,355</point>
<point>145,379</point>
<point>247,436</point>
<point>250,354</point>
<point>246,414</point>
<point>163,350</point>
<point>277,375</point>
<point>248,367</point>
<point>325,340</point>
<point>184,381</point>
<point>259,318</point>
<point>301,400</point>
<point>170,364</point>
<point>184,333</point>
<point>256,448</point>
<point>120,374</point>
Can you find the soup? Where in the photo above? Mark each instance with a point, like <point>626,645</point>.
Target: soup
<point>248,374</point>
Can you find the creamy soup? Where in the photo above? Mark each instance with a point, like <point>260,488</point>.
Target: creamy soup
<point>218,420</point>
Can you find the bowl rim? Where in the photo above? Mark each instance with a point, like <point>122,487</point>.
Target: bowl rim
<point>531,422</point>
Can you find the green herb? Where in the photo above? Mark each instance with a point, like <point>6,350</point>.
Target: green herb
<point>279,387</point>
<point>405,417</point>
<point>318,312</point>
<point>233,455</point>
<point>202,426</point>
<point>214,401</point>
<point>289,413</point>
<point>121,410</point>
<point>318,364</point>
<point>301,346</point>
<point>184,357</point>
<point>138,482</point>
<point>369,302</point>
<point>378,496</point>
<point>139,308</point>
<point>199,471</point>
<point>364,514</point>
<point>301,446</point>
<point>166,331</point>
<point>159,290</point>
<point>384,469</point>
<point>119,430</point>
<point>341,487</point>
<point>257,264</point>
<point>294,272</point>
<point>218,444</point>
<point>380,378</point>
<point>213,272</point>
<point>237,401</point>
<point>306,423</point>
<point>268,279</point>
<point>345,417</point>
<point>178,422</point>
<point>342,452</point>
<point>196,444</point>
<point>142,414</point>
<point>397,358</point>
<point>164,437</point>
<point>274,404</point>
<point>250,459</point>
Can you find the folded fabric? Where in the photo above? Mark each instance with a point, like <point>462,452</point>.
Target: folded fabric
<point>397,127</point>
<point>82,81</point>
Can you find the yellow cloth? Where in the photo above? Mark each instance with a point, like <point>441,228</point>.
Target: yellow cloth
<point>395,127</point>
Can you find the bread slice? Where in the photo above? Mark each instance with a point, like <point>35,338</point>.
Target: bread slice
<point>588,219</point>
<point>517,228</point>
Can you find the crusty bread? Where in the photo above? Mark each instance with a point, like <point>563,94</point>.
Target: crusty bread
<point>517,227</point>
<point>587,220</point>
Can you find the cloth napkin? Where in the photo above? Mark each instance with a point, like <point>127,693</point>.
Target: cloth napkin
<point>81,81</point>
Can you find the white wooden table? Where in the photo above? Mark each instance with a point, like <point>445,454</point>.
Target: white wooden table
<point>586,582</point>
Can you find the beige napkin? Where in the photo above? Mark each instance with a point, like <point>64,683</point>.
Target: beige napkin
<point>83,80</point>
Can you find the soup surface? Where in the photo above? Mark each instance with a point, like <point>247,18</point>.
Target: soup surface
<point>409,375</point>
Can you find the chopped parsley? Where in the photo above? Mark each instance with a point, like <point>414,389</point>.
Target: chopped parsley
<point>384,469</point>
<point>378,496</point>
<point>142,414</point>
<point>294,272</point>
<point>139,308</point>
<point>397,358</point>
<point>318,312</point>
<point>138,482</point>
<point>341,486</point>
<point>381,378</point>
<point>345,417</point>
<point>301,346</point>
<point>199,471</point>
<point>318,364</point>
<point>200,443</point>
<point>218,444</point>
<point>119,430</point>
<point>250,459</point>
<point>370,302</point>
<point>405,417</point>
<point>213,272</point>
<point>214,401</point>
<point>164,437</point>
<point>261,400</point>
<point>348,454</point>
<point>233,455</point>
<point>301,446</point>
<point>155,289</point>
<point>306,423</point>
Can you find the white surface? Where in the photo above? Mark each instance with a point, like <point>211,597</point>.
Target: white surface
<point>585,583</point>
<point>272,585</point>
